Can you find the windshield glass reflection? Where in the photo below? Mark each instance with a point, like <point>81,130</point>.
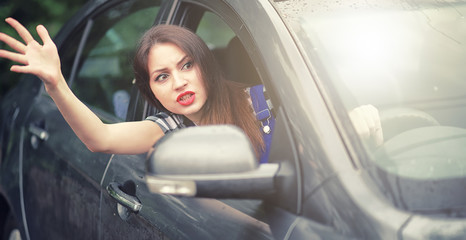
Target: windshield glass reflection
<point>408,59</point>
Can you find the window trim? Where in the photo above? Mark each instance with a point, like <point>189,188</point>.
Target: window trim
<point>81,26</point>
<point>79,52</point>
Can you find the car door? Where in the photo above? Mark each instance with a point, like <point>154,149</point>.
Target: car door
<point>61,177</point>
<point>130,210</point>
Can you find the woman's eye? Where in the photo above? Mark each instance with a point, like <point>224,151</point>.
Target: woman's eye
<point>187,66</point>
<point>161,77</point>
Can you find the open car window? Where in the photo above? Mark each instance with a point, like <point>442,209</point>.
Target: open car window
<point>104,78</point>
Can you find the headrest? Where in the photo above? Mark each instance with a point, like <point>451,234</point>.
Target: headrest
<point>239,67</point>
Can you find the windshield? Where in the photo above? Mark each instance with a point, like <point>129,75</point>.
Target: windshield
<point>408,59</point>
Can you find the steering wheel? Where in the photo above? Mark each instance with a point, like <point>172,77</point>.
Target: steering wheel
<point>424,168</point>
<point>397,120</point>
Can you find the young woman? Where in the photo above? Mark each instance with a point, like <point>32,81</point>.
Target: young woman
<point>174,70</point>
<point>203,96</point>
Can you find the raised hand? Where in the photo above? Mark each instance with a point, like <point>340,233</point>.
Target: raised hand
<point>40,60</point>
<point>366,121</point>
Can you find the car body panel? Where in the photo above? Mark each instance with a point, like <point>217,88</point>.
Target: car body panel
<point>59,176</point>
<point>172,217</point>
<point>57,189</point>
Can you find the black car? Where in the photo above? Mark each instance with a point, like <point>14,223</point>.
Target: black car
<point>318,60</point>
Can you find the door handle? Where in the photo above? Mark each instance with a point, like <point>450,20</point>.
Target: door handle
<point>131,202</point>
<point>38,134</point>
<point>41,133</point>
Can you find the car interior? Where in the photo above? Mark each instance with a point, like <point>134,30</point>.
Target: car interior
<point>236,63</point>
<point>231,56</point>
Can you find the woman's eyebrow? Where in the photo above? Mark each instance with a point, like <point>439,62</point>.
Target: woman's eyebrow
<point>182,60</point>
<point>164,69</point>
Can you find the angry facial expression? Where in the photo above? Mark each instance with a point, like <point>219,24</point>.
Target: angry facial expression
<point>176,81</point>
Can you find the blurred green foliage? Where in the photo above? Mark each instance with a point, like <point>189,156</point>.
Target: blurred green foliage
<point>50,13</point>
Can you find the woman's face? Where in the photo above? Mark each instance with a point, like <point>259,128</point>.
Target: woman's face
<point>176,81</point>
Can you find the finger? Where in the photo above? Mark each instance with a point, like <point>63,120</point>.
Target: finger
<point>359,123</point>
<point>44,34</point>
<point>13,43</point>
<point>20,69</point>
<point>362,129</point>
<point>22,31</point>
<point>366,115</point>
<point>16,57</point>
<point>376,116</point>
<point>372,117</point>
<point>27,70</point>
<point>378,135</point>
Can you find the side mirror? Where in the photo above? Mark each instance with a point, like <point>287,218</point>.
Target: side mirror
<point>209,161</point>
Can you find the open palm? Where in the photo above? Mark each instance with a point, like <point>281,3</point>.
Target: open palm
<point>40,60</point>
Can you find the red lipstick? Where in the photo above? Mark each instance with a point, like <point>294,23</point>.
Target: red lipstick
<point>186,98</point>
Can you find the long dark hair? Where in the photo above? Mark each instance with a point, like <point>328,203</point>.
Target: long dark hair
<point>227,102</point>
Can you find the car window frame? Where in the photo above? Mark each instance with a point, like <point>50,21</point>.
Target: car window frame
<point>78,29</point>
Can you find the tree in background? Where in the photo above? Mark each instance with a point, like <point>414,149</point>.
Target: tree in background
<point>51,13</point>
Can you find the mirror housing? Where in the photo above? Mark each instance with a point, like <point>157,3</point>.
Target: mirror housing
<point>208,161</point>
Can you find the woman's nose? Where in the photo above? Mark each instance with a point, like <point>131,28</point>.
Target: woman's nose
<point>179,81</point>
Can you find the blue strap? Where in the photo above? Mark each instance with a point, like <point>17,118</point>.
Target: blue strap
<point>264,115</point>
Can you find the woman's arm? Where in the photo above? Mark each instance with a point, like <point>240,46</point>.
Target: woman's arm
<point>120,138</point>
<point>43,61</point>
